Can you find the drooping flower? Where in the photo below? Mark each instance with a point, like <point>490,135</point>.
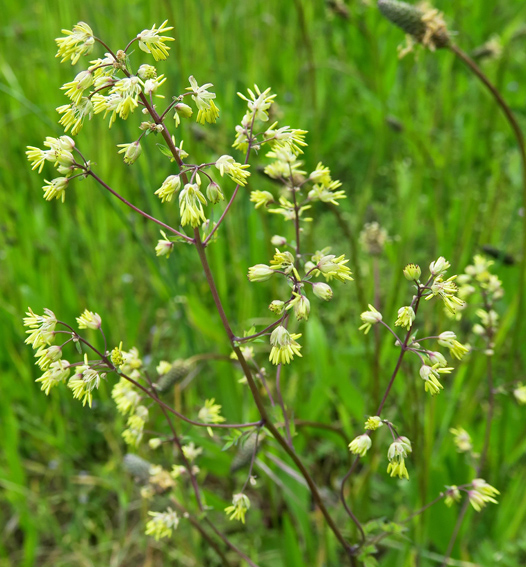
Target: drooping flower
<point>128,90</point>
<point>406,316</point>
<point>211,412</point>
<point>397,453</point>
<point>260,273</point>
<point>57,372</point>
<point>170,186</point>
<point>373,423</point>
<point>369,319</point>
<point>77,42</point>
<point>448,339</point>
<point>125,396</point>
<point>236,171</point>
<point>360,445</point>
<point>150,41</point>
<point>56,188</point>
<point>261,198</point>
<point>89,320</point>
<point>239,508</point>
<point>73,115</point>
<point>322,290</point>
<point>259,102</point>
<point>191,202</point>
<point>284,346</point>
<point>452,495</point>
<point>334,267</point>
<point>131,151</point>
<point>75,88</point>
<point>481,493</point>
<point>162,524</point>
<point>430,375</point>
<point>164,246</point>
<point>41,327</point>
<point>462,440</point>
<point>48,355</point>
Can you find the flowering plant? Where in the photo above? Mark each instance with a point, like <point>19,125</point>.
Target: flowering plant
<point>110,86</point>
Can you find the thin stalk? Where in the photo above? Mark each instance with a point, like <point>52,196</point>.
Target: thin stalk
<point>522,151</point>
<point>282,405</point>
<point>111,367</point>
<point>377,338</point>
<point>403,349</point>
<point>487,433</point>
<point>195,523</point>
<point>177,442</point>
<point>456,530</point>
<point>136,209</point>
<point>319,425</point>
<point>489,418</point>
<point>231,545</point>
<point>424,508</point>
<point>254,453</point>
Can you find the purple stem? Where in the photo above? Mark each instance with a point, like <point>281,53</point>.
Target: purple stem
<point>137,210</point>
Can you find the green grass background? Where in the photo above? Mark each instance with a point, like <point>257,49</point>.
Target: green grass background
<point>446,182</point>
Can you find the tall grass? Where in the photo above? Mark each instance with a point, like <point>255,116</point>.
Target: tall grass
<point>418,146</point>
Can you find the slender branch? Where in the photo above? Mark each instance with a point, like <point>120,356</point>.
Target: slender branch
<point>265,330</point>
<point>424,508</point>
<point>231,545</point>
<point>137,210</point>
<point>106,47</point>
<point>282,405</point>
<point>175,439</point>
<point>296,215</point>
<point>456,530</point>
<point>183,417</point>
<point>129,44</point>
<point>522,151</point>
<point>392,332</point>
<point>254,453</point>
<point>168,108</point>
<point>195,523</point>
<point>319,425</point>
<point>489,418</point>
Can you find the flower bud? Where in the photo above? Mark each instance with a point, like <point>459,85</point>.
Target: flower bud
<point>360,445</point>
<point>66,143</point>
<point>322,291</point>
<point>302,308</point>
<point>213,193</point>
<point>132,152</point>
<point>439,267</point>
<point>412,272</point>
<point>373,423</point>
<point>278,240</point>
<point>183,110</point>
<point>277,306</point>
<point>260,273</point>
<point>146,72</point>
